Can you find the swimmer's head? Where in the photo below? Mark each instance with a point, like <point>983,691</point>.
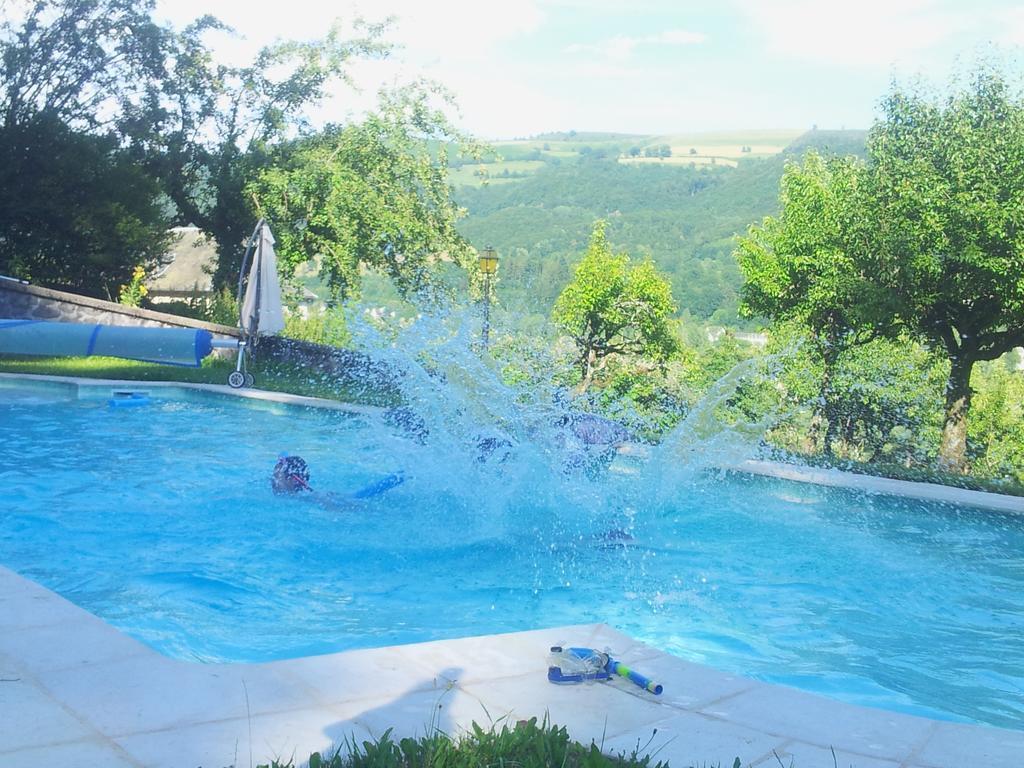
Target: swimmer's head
<point>291,475</point>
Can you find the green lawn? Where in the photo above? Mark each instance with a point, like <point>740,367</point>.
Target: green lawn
<point>272,377</point>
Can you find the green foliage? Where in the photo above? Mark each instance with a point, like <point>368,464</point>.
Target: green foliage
<point>191,126</point>
<point>370,194</point>
<point>615,307</point>
<point>223,308</point>
<point>134,291</point>
<point>996,433</point>
<point>527,744</point>
<point>533,364</point>
<point>886,400</point>
<point>952,209</point>
<point>806,267</point>
<point>85,235</point>
<point>325,326</point>
<point>948,238</point>
<point>802,265</point>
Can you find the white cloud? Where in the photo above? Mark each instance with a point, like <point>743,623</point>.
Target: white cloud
<point>463,29</point>
<point>621,47</point>
<point>868,34</point>
<point>1011,26</point>
<point>459,28</point>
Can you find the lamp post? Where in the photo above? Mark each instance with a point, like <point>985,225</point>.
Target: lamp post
<point>488,266</point>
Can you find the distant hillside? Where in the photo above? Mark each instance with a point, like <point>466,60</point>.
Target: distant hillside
<point>540,203</point>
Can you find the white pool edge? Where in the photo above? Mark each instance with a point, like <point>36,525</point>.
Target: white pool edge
<point>882,485</point>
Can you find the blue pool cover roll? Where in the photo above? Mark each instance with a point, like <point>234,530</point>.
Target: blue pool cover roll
<point>166,346</point>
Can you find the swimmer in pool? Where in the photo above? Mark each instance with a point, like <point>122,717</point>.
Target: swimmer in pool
<point>291,478</point>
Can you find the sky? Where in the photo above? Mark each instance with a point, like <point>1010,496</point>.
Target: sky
<point>522,67</point>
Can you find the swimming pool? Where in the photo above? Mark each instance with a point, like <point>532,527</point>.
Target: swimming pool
<point>160,519</point>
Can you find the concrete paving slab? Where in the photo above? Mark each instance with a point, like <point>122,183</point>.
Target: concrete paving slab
<point>294,734</point>
<point>589,710</point>
<point>148,693</point>
<point>825,722</point>
<point>691,739</point>
<point>473,659</point>
<point>25,604</point>
<point>46,649</point>
<point>686,685</point>
<point>448,710</point>
<point>31,718</point>
<point>94,754</point>
<point>796,754</point>
<point>364,673</point>
<point>957,746</point>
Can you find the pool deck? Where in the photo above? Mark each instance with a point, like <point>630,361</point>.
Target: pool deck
<point>76,691</point>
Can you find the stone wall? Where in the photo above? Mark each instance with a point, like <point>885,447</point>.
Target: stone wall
<point>20,301</point>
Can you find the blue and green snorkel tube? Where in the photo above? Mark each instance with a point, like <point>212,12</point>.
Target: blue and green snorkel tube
<point>577,665</point>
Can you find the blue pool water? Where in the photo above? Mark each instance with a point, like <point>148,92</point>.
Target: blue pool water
<point>160,519</point>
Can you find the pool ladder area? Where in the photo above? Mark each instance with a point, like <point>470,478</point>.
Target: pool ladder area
<point>128,398</point>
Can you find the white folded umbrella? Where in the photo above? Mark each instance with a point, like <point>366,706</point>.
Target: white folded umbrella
<point>261,312</point>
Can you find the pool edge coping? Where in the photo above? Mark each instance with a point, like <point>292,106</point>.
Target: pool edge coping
<point>837,478</point>
<point>263,395</point>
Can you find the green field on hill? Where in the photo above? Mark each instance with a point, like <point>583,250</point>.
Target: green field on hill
<point>518,159</point>
<point>536,200</point>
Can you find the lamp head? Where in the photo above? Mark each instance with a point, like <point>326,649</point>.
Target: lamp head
<point>488,261</point>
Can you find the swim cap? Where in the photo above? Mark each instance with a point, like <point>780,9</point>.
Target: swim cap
<point>291,475</point>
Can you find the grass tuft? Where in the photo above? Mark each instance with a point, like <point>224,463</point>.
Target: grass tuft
<point>527,744</point>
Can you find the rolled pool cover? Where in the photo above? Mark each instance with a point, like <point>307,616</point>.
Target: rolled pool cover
<point>166,346</point>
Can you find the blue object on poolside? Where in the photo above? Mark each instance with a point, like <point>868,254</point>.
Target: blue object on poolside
<point>379,487</point>
<point>166,346</point>
<point>595,665</point>
<point>128,402</point>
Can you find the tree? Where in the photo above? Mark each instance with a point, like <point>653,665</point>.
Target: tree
<point>78,61</point>
<point>200,128</point>
<point>205,129</point>
<point>949,207</point>
<point>614,307</point>
<point>368,194</point>
<point>804,266</point>
<point>77,213</point>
